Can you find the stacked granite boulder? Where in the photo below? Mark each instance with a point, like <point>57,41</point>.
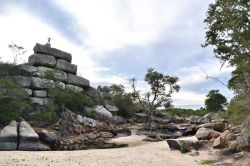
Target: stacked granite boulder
<point>47,62</point>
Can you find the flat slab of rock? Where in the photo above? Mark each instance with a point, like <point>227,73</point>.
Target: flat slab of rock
<point>44,49</point>
<point>77,80</point>
<point>66,66</point>
<point>28,146</point>
<point>48,137</point>
<point>48,72</point>
<point>9,137</point>
<point>40,93</point>
<point>74,88</point>
<point>42,60</point>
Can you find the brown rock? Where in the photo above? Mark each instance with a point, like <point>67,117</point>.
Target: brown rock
<point>219,143</point>
<point>224,134</point>
<point>219,126</point>
<point>230,137</point>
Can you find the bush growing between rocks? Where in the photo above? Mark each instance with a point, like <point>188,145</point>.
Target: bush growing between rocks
<point>14,101</point>
<point>75,101</point>
<point>8,69</point>
<point>125,104</point>
<point>44,118</point>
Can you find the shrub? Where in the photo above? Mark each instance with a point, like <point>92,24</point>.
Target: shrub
<point>12,70</point>
<point>125,104</point>
<point>72,100</point>
<point>183,112</point>
<point>184,147</point>
<point>44,118</point>
<point>13,101</point>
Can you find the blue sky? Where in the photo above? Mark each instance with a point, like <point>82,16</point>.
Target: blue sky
<point>114,40</point>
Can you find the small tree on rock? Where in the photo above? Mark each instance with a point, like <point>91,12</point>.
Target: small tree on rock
<point>161,88</point>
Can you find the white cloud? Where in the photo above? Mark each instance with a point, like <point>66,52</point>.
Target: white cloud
<point>188,98</point>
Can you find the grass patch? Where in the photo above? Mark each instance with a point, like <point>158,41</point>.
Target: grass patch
<point>207,162</point>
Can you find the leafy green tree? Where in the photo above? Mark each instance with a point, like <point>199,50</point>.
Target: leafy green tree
<point>161,88</point>
<point>215,101</point>
<point>229,29</point>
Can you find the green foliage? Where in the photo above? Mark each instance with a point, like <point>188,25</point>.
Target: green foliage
<point>215,101</point>
<point>13,100</point>
<point>44,118</point>
<point>12,70</point>
<point>183,112</point>
<point>161,88</point>
<point>228,29</point>
<point>208,162</point>
<point>116,89</point>
<point>184,147</point>
<point>72,100</point>
<point>125,104</point>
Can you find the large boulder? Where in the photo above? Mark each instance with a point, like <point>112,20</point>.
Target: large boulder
<point>78,81</point>
<point>9,137</point>
<point>40,83</point>
<point>111,108</point>
<point>54,74</point>
<point>244,141</point>
<point>66,66</point>
<point>203,134</point>
<point>29,139</point>
<point>42,60</point>
<point>44,49</point>
<point>219,143</point>
<point>102,113</point>
<point>74,88</point>
<point>92,92</point>
<point>219,126</point>
<point>48,137</point>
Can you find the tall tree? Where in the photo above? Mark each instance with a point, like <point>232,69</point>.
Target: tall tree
<point>215,101</point>
<point>161,88</point>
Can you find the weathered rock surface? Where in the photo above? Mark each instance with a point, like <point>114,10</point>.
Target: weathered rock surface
<point>37,100</point>
<point>40,93</point>
<point>43,49</point>
<point>28,146</point>
<point>92,92</point>
<point>78,81</point>
<point>203,134</point>
<point>119,120</point>
<point>244,142</point>
<point>122,132</point>
<point>42,60</point>
<point>9,137</point>
<point>74,88</point>
<point>66,66</point>
<point>28,91</point>
<point>111,108</point>
<point>54,74</point>
<point>40,83</point>
<point>219,126</point>
<point>23,81</point>
<point>219,143</point>
<point>27,67</point>
<point>102,113</point>
<point>48,137</point>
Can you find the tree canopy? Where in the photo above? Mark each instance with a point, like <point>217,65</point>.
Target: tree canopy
<point>161,88</point>
<point>215,101</point>
<point>228,29</point>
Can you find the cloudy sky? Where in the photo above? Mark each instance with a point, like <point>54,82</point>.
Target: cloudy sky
<point>114,40</point>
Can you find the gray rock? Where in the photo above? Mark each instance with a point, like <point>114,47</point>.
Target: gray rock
<point>28,146</point>
<point>74,88</point>
<point>40,93</point>
<point>41,83</point>
<point>52,51</point>
<point>219,143</point>
<point>89,122</point>
<point>173,144</point>
<point>233,146</point>
<point>206,125</point>
<point>194,119</point>
<point>111,108</point>
<point>48,137</point>
<point>78,81</point>
<point>66,66</point>
<point>122,132</point>
<point>203,134</point>
<point>102,113</point>
<point>106,134</point>
<point>42,60</point>
<point>230,137</point>
<point>92,92</point>
<point>60,85</point>
<point>238,155</point>
<point>244,141</point>
<point>79,118</point>
<point>219,126</point>
<point>54,74</point>
<point>106,95</point>
<point>118,120</point>
<point>9,137</point>
<point>28,68</point>
<point>36,100</point>
<point>28,91</point>
<point>26,133</point>
<point>91,136</point>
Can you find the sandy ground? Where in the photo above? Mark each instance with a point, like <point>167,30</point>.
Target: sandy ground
<point>138,153</point>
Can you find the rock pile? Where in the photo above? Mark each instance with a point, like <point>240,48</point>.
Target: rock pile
<point>50,67</point>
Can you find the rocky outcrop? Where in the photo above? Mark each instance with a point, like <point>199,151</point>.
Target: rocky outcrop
<point>9,137</point>
<point>102,113</point>
<point>20,137</point>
